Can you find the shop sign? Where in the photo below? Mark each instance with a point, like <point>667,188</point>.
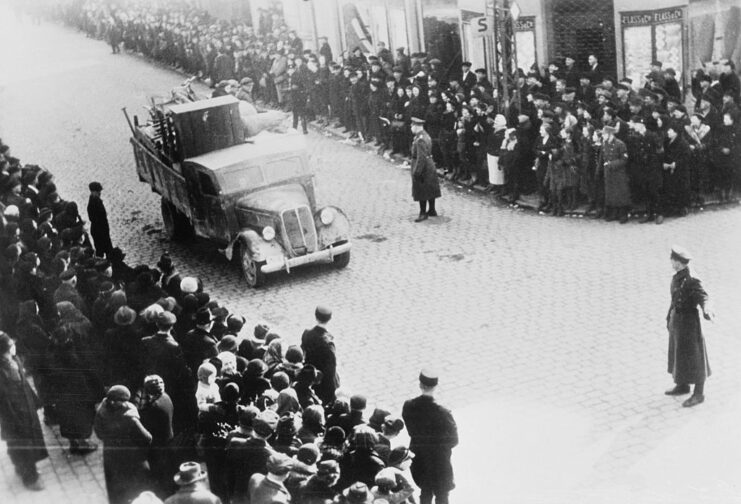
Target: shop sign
<point>651,17</point>
<point>482,26</point>
<point>525,23</point>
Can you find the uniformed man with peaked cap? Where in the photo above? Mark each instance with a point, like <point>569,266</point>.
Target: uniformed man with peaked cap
<point>687,356</point>
<point>433,434</point>
<point>425,186</point>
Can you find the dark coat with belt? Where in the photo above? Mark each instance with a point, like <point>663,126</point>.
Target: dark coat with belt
<point>688,359</point>
<point>433,435</point>
<point>19,422</point>
<point>614,160</point>
<point>125,444</point>
<point>99,230</point>
<point>425,185</point>
<point>319,351</point>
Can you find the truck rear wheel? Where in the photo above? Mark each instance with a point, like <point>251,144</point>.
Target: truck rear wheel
<point>251,269</point>
<point>177,226</point>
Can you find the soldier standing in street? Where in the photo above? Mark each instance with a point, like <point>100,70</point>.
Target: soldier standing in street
<point>433,435</point>
<point>98,216</point>
<point>688,360</point>
<point>301,82</point>
<point>425,186</point>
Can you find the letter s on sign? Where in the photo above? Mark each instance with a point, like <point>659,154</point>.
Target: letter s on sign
<point>483,25</point>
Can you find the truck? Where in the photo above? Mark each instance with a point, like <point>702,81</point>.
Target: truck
<point>254,198</point>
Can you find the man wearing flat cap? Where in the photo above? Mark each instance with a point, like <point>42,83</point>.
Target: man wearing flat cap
<point>98,217</point>
<point>687,356</point>
<point>433,435</point>
<point>425,185</point>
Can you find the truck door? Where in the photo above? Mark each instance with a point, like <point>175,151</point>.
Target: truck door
<point>209,217</point>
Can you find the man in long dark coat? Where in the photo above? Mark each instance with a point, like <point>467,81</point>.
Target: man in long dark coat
<point>98,217</point>
<point>688,359</point>
<point>425,186</point>
<point>433,435</point>
<point>319,351</point>
<point>613,162</point>
<point>19,422</point>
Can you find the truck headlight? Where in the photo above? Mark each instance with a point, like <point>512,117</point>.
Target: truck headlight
<point>268,233</point>
<point>327,216</point>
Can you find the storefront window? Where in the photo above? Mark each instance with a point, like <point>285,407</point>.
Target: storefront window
<point>652,35</point>
<point>525,40</point>
<point>441,35</point>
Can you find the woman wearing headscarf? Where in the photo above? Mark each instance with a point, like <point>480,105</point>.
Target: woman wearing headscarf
<point>155,411</point>
<point>125,442</point>
<point>287,402</point>
<point>273,356</point>
<point>73,381</point>
<point>19,422</point>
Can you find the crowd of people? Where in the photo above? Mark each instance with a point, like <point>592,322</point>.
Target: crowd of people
<point>573,135</point>
<point>168,378</point>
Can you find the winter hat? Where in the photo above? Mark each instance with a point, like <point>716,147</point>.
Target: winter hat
<point>227,344</point>
<point>500,121</point>
<point>230,393</point>
<point>335,436</point>
<point>118,393</point>
<point>247,415</point>
<point>124,316</point>
<point>294,354</point>
<point>261,330</point>
<point>189,285</point>
<point>377,418</point>
<point>234,323</point>
<point>206,371</point>
<point>280,381</point>
<point>364,437</point>
<point>308,454</point>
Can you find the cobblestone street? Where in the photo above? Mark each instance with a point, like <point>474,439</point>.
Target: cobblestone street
<point>549,333</point>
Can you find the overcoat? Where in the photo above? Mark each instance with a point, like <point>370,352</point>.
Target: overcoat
<point>19,422</point>
<point>688,359</point>
<point>125,442</point>
<point>99,230</point>
<point>425,185</point>
<point>433,435</point>
<point>319,351</point>
<point>613,160</point>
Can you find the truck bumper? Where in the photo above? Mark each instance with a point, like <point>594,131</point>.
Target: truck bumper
<point>325,255</point>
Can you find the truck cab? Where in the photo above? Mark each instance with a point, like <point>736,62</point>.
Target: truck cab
<point>254,199</point>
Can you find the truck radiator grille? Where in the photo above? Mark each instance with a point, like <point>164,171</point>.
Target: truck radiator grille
<point>300,231</point>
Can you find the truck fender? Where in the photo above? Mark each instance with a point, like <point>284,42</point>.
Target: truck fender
<point>338,230</point>
<point>260,249</point>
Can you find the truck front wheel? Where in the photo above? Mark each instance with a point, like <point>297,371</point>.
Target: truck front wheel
<point>251,269</point>
<point>341,260</point>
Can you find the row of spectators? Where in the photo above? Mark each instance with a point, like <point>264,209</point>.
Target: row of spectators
<point>548,139</point>
<point>165,375</point>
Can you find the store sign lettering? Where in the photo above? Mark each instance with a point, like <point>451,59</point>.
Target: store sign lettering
<point>650,17</point>
<point>525,24</point>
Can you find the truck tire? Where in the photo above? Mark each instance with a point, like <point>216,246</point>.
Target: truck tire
<point>177,226</point>
<point>251,269</point>
<point>341,260</point>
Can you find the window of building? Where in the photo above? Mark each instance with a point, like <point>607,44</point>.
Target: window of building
<point>652,35</point>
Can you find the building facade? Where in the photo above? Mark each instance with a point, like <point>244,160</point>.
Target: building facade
<point>625,35</point>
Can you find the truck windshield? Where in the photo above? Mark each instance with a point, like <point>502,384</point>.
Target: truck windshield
<point>259,175</point>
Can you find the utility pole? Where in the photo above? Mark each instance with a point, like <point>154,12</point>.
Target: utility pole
<point>504,45</point>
